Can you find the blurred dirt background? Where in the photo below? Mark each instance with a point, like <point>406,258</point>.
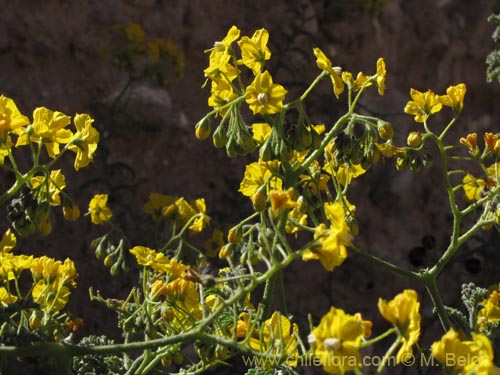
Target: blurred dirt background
<point>51,55</point>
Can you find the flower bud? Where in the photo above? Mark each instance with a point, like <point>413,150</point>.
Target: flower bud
<point>109,260</point>
<point>220,136</point>
<point>385,130</point>
<point>202,129</point>
<point>35,320</point>
<point>234,235</point>
<point>178,358</point>
<point>44,227</point>
<point>166,361</point>
<point>259,201</point>
<point>71,211</point>
<point>225,251</point>
<point>414,139</point>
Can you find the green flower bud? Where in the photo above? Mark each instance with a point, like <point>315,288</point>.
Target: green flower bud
<point>385,130</point>
<point>220,136</point>
<point>203,129</point>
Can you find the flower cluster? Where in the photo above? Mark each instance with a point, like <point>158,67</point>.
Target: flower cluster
<point>42,186</point>
<point>40,306</point>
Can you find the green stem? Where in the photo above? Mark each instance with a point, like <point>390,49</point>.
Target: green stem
<point>430,283</point>
<point>388,354</point>
<point>384,264</point>
<point>375,340</point>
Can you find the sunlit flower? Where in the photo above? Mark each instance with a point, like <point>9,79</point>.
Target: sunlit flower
<point>325,64</point>
<point>336,339</point>
<point>491,142</point>
<point>85,140</point>
<point>281,200</point>
<point>220,55</point>
<point>470,141</point>
<point>99,210</point>
<point>257,175</point>
<point>48,127</point>
<point>356,84</point>
<point>460,355</point>
<point>403,312</point>
<point>260,132</point>
<point>49,187</point>
<point>330,247</point>
<point>10,117</point>
<point>8,242</point>
<point>490,313</point>
<point>423,104</point>
<point>254,51</point>
<point>454,97</point>
<point>6,298</point>
<point>473,187</point>
<point>202,221</point>
<point>263,96</point>
<point>221,93</point>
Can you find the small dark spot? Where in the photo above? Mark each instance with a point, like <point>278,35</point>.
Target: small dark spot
<point>428,242</point>
<point>417,256</point>
<point>473,265</point>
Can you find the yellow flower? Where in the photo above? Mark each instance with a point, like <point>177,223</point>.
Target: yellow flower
<point>356,84</point>
<point>49,190</point>
<point>11,265</point>
<point>344,173</point>
<point>491,310</point>
<point>221,94</point>
<point>473,187</point>
<point>260,132</point>
<point>257,175</point>
<point>157,261</point>
<point>149,258</point>
<point>48,127</point>
<point>281,200</point>
<point>336,339</point>
<point>423,104</point>
<point>8,242</point>
<point>6,298</point>
<point>10,117</point>
<point>263,96</point>
<point>325,64</point>
<point>254,51</point>
<point>277,337</point>
<point>454,97</point>
<point>51,297</point>
<point>297,216</point>
<point>491,142</point>
<point>184,295</point>
<point>381,73</point>
<point>388,150</point>
<point>202,221</point>
<point>403,312</point>
<point>329,247</point>
<point>219,66</point>
<point>85,140</point>
<point>464,356</point>
<point>99,210</point>
<point>470,141</point>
